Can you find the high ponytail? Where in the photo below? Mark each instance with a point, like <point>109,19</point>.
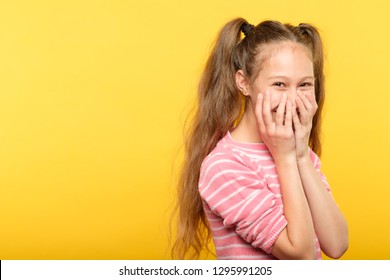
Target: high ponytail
<point>218,107</point>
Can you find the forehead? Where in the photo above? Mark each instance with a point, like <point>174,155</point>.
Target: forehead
<point>271,49</point>
<point>285,57</point>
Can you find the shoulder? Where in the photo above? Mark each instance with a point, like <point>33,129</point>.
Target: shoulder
<point>225,156</point>
<point>223,165</point>
<point>228,151</point>
<point>220,160</point>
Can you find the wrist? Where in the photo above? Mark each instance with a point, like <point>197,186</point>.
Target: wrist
<point>285,158</point>
<point>303,159</point>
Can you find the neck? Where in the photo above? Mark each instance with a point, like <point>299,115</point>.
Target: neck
<point>247,129</point>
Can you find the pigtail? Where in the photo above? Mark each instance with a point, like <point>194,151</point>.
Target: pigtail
<point>218,106</point>
<point>218,94</point>
<point>313,40</point>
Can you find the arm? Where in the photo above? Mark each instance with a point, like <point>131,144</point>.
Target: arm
<point>329,223</point>
<point>296,241</point>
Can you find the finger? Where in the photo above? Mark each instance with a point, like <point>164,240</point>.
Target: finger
<point>259,111</point>
<point>305,100</point>
<point>295,119</point>
<point>288,120</point>
<point>267,109</point>
<point>281,110</point>
<point>312,98</point>
<point>300,106</point>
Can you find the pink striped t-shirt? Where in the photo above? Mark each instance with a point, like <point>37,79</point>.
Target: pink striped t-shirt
<point>242,199</point>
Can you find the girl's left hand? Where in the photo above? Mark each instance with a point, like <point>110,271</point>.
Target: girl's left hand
<point>307,107</point>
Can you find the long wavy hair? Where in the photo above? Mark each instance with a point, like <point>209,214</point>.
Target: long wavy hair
<point>219,107</point>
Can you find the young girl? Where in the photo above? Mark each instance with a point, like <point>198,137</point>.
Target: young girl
<point>251,177</point>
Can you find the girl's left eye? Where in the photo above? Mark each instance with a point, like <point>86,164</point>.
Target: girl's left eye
<point>306,84</point>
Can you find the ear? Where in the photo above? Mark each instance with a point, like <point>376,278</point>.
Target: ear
<point>242,82</point>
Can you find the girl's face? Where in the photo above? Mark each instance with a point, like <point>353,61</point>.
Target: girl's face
<point>287,68</point>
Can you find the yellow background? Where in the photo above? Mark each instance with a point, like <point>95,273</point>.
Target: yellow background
<point>93,96</point>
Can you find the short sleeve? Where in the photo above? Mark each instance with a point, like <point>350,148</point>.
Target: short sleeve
<point>240,196</point>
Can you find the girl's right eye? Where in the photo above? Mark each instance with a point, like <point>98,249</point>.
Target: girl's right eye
<point>278,84</point>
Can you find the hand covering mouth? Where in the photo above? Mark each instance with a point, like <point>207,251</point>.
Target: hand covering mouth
<point>276,109</point>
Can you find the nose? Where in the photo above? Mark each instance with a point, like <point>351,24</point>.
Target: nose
<point>292,94</point>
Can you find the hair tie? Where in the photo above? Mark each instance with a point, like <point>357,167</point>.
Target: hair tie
<point>247,28</point>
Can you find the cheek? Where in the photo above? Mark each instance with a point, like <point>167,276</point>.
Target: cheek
<point>275,99</point>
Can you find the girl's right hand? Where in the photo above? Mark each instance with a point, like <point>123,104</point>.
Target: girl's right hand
<point>276,133</point>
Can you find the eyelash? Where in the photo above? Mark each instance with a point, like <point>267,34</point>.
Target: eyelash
<point>306,84</point>
<point>279,84</point>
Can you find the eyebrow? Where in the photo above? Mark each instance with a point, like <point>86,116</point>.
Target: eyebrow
<point>285,77</point>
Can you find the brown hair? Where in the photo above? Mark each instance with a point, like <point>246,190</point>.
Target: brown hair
<point>219,106</point>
